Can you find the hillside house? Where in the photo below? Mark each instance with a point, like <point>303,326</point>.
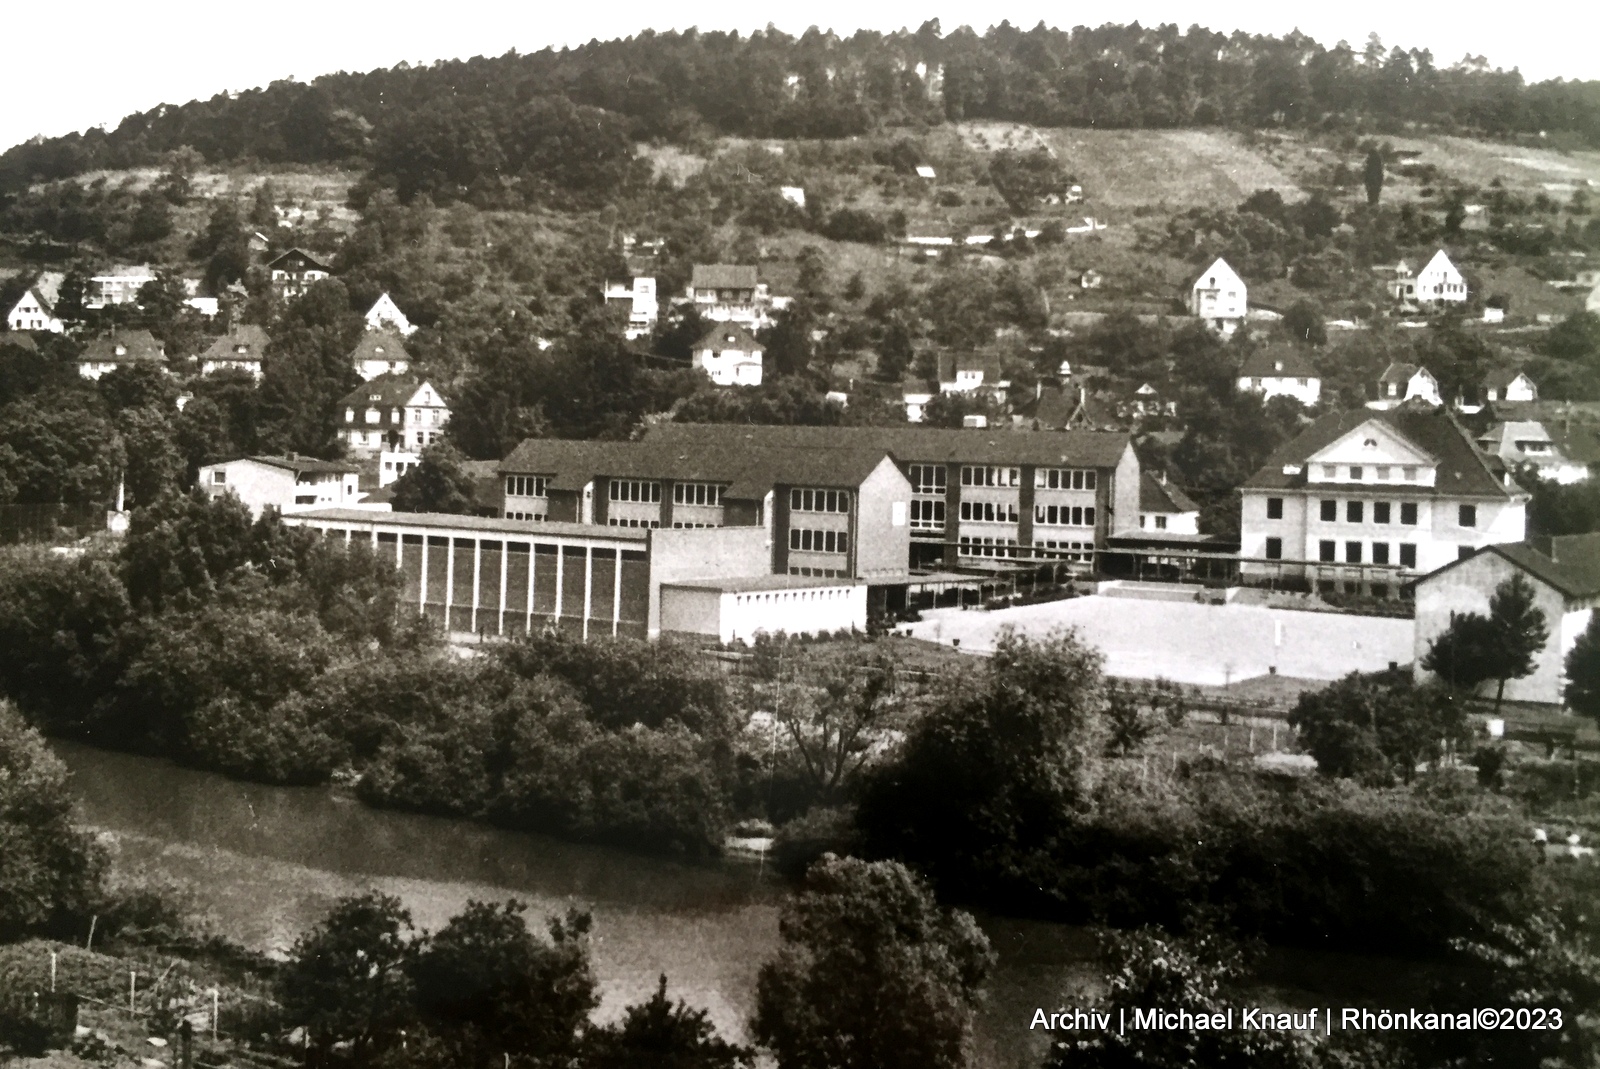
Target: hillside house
<point>730,355</point>
<point>966,372</point>
<point>242,349</point>
<point>1509,385</point>
<point>730,293</point>
<point>126,348</point>
<point>1558,452</point>
<point>385,315</point>
<point>634,303</point>
<point>1219,298</point>
<point>1288,373</point>
<point>392,413</point>
<point>1565,576</point>
<point>1164,507</point>
<point>293,273</point>
<point>117,285</point>
<point>916,400</point>
<point>36,308</point>
<point>1361,501</point>
<point>380,353</point>
<point>1438,282</point>
<point>1402,382</point>
<point>288,484</point>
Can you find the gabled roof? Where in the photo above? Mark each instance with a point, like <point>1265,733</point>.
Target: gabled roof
<point>1572,566</point>
<point>1440,262</point>
<point>124,347</point>
<point>47,287</point>
<point>1503,377</point>
<point>1401,372</point>
<point>723,277</point>
<point>951,364</point>
<point>311,260</point>
<point>909,443</point>
<point>249,338</point>
<point>305,465</point>
<point>1462,469</point>
<point>379,345</point>
<point>729,336</point>
<point>1218,276</point>
<point>1157,496</point>
<point>390,389</point>
<point>1277,363</point>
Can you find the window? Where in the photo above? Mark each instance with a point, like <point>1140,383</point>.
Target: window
<point>1327,551</point>
<point>819,500</point>
<point>1274,549</point>
<point>1063,479</point>
<point>927,478</point>
<point>1356,472</point>
<point>219,478</point>
<point>1382,471</point>
<point>989,511</point>
<point>373,415</point>
<point>635,490</point>
<point>973,475</point>
<point>349,415</point>
<point>697,493</point>
<point>1063,515</point>
<point>1463,552</point>
<point>1352,552</point>
<point>1408,555</point>
<point>1409,473</point>
<point>1274,508</point>
<point>1161,523</point>
<point>1408,513</point>
<point>526,486</point>
<point>1330,511</point>
<point>1354,511</point>
<point>1467,516</point>
<point>1380,512</point>
<point>807,541</point>
<point>1330,471</point>
<point>305,499</point>
<point>1380,553</point>
<point>927,515</point>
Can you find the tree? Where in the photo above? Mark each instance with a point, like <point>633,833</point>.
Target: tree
<point>1576,337</point>
<point>1202,974</point>
<point>1303,321</point>
<point>833,717</point>
<point>1520,631</point>
<point>1372,176</point>
<point>1377,726</point>
<point>1463,654</point>
<point>488,988</point>
<point>345,980</point>
<point>50,869</point>
<point>439,483</point>
<point>895,352</point>
<point>1583,672</point>
<point>872,973</point>
<point>660,1035</point>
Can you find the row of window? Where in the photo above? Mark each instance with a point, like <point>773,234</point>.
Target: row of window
<point>927,478</point>
<point>819,500</point>
<point>697,493</point>
<point>615,522</point>
<point>989,511</point>
<point>930,478</point>
<point>527,486</point>
<point>525,515</point>
<point>1354,552</point>
<point>819,573</point>
<point>977,475</point>
<point>1063,479</point>
<point>927,515</point>
<point>635,490</point>
<point>1064,550</point>
<point>809,541</point>
<point>1382,512</point>
<point>1063,515</point>
<point>1381,472</point>
<point>987,547</point>
<point>694,526</point>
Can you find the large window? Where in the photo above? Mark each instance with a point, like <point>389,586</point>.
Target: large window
<point>1408,555</point>
<point>1327,550</point>
<point>989,511</point>
<point>1274,508</point>
<point>697,493</point>
<point>1380,512</point>
<point>1408,513</point>
<point>1063,479</point>
<point>1380,553</point>
<point>1467,515</point>
<point>987,547</point>
<point>1274,549</point>
<point>1330,511</point>
<point>1352,552</point>
<point>527,486</point>
<point>1064,515</point>
<point>819,501</point>
<point>927,515</point>
<point>807,541</point>
<point>927,478</point>
<point>1354,511</point>
<point>635,490</point>
<point>973,475</point>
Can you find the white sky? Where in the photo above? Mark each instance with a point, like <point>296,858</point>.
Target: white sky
<point>104,60</point>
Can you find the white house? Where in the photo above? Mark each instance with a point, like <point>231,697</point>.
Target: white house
<point>121,349</point>
<point>965,372</point>
<point>117,285</point>
<point>1364,500</point>
<point>1164,507</point>
<point>1288,373</point>
<point>1219,298</point>
<point>635,300</point>
<point>730,293</point>
<point>795,195</point>
<point>386,315</point>
<point>1438,281</point>
<point>294,271</point>
<point>916,401</point>
<point>1566,586</point>
<point>1400,383</point>
<point>1509,385</point>
<point>1560,453</point>
<point>242,349</point>
<point>380,353</point>
<point>288,484</point>
<point>729,354</point>
<point>35,310</point>
<point>392,414</point>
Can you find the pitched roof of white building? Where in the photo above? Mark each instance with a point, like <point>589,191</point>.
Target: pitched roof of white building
<point>1218,276</point>
<point>1440,264</point>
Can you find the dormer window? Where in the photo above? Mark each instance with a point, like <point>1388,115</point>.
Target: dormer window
<point>122,350</point>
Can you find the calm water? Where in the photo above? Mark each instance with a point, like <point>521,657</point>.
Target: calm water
<point>266,863</point>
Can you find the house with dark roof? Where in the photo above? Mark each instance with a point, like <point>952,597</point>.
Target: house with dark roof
<point>731,293</point>
<point>1281,373</point>
<point>380,352</point>
<point>1565,576</point>
<point>1555,450</point>
<point>1163,506</point>
<point>288,483</point>
<point>123,348</point>
<point>965,372</point>
<point>730,355</point>
<point>1402,382</point>
<point>294,271</point>
<point>1509,384</point>
<point>1367,499</point>
<point>1219,298</point>
<point>242,349</point>
<point>393,417</point>
<point>36,308</point>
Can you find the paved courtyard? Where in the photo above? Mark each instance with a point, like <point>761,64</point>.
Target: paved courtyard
<point>1193,643</point>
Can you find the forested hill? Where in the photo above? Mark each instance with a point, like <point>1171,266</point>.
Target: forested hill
<point>557,126</point>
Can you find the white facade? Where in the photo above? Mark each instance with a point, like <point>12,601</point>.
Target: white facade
<point>32,313</point>
<point>287,485</point>
<point>1219,297</point>
<point>381,420</point>
<point>730,357</point>
<point>1276,380</point>
<point>738,610</point>
<point>638,296</point>
<point>1437,282</point>
<point>120,285</point>
<point>386,315</point>
<point>1520,388</point>
<point>1520,442</point>
<point>1397,387</point>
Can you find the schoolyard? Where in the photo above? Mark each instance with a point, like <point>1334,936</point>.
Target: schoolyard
<point>1190,642</point>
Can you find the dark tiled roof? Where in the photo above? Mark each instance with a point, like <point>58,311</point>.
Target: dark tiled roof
<point>723,277</point>
<point>1580,443</point>
<point>1398,372</point>
<point>951,363</point>
<point>1574,570</point>
<point>251,338</point>
<point>137,345</point>
<point>391,388</point>
<point>1156,496</point>
<point>310,260</point>
<point>1282,363</point>
<point>1462,469</point>
<point>729,336</point>
<point>306,465</point>
<point>379,345</point>
<point>1499,380</point>
<point>907,444</point>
